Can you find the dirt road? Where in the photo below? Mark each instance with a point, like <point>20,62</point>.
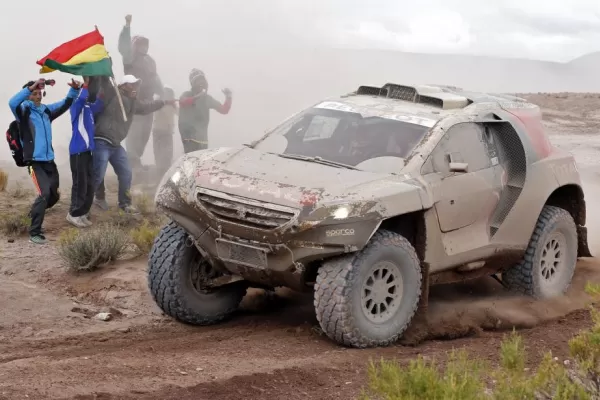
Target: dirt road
<point>52,347</point>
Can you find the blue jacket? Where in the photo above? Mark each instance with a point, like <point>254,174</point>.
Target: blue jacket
<point>35,123</point>
<point>82,123</point>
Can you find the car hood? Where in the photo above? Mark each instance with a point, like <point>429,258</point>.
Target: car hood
<point>267,177</point>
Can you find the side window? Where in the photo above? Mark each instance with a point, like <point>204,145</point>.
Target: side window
<point>464,142</point>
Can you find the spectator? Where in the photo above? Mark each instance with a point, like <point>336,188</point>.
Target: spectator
<point>137,62</point>
<point>81,149</point>
<point>162,133</point>
<point>194,114</point>
<point>35,124</point>
<point>111,130</point>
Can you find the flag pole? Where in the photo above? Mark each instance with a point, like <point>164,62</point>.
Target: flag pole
<point>112,79</point>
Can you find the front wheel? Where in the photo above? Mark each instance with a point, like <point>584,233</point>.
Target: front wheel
<point>549,262</point>
<point>368,298</point>
<point>175,277</point>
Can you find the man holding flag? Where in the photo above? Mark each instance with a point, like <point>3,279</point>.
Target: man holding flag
<point>112,129</point>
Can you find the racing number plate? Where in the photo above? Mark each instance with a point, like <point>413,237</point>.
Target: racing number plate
<point>242,254</point>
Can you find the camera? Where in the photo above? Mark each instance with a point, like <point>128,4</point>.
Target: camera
<point>49,82</point>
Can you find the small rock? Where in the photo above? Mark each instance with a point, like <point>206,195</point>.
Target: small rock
<point>182,372</point>
<point>555,358</point>
<point>348,383</point>
<point>567,362</point>
<point>199,369</point>
<point>103,316</point>
<point>124,330</point>
<point>11,240</point>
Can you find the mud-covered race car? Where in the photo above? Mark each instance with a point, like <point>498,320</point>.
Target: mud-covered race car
<point>368,199</point>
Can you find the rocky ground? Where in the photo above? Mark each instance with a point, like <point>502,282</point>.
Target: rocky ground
<point>53,347</point>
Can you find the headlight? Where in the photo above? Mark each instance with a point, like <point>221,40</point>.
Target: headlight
<point>176,176</point>
<point>341,212</point>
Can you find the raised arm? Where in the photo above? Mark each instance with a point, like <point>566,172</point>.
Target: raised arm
<point>60,107</point>
<point>78,104</point>
<point>125,48</point>
<point>15,102</point>
<point>148,107</point>
<point>221,108</point>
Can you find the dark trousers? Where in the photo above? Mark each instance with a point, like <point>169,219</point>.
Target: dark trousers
<point>162,142</point>
<point>46,180</point>
<point>192,141</point>
<point>137,138</point>
<point>191,145</point>
<point>82,191</point>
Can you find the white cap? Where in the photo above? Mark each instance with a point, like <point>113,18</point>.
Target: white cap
<point>128,79</point>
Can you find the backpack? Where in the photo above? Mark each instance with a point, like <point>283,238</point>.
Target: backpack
<point>13,137</point>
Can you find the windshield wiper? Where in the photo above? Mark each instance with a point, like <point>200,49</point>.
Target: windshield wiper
<point>317,160</point>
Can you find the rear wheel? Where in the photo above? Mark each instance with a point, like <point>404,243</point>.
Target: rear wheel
<point>549,262</point>
<point>367,299</point>
<point>177,277</point>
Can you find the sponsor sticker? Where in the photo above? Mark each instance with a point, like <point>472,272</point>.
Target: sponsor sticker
<point>339,232</point>
<point>411,119</point>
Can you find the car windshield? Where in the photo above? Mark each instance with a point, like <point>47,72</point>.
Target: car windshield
<point>344,137</point>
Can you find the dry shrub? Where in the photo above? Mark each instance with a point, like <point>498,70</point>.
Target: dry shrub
<point>124,220</point>
<point>90,249</point>
<point>466,377</point>
<point>143,203</point>
<point>3,180</point>
<point>14,224</point>
<point>19,192</point>
<point>144,235</point>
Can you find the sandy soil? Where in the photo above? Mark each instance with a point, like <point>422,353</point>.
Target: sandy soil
<point>51,347</point>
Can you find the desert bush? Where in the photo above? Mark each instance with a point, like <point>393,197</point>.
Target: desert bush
<point>144,235</point>
<point>90,249</point>
<point>3,180</point>
<point>463,377</point>
<point>19,192</point>
<point>143,203</point>
<point>13,224</point>
<point>124,220</point>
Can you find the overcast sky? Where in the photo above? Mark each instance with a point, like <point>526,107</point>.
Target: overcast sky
<point>264,49</point>
<point>556,30</point>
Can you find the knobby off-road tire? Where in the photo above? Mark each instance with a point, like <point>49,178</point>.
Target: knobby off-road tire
<point>549,262</point>
<point>171,264</point>
<point>342,291</point>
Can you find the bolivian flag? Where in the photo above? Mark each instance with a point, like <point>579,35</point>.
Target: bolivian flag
<point>83,56</point>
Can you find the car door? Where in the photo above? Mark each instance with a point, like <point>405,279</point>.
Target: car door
<point>467,191</point>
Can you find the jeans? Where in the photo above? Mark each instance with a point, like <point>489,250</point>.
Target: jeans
<point>104,154</point>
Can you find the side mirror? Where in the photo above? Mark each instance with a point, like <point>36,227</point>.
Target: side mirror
<point>459,167</point>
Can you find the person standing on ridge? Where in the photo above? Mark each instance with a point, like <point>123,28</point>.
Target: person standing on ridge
<point>194,113</point>
<point>35,125</point>
<point>137,62</point>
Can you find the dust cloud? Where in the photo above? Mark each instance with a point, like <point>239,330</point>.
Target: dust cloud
<point>273,72</point>
<point>263,51</point>
<point>459,310</point>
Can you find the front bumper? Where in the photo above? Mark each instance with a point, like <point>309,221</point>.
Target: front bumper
<point>264,243</point>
